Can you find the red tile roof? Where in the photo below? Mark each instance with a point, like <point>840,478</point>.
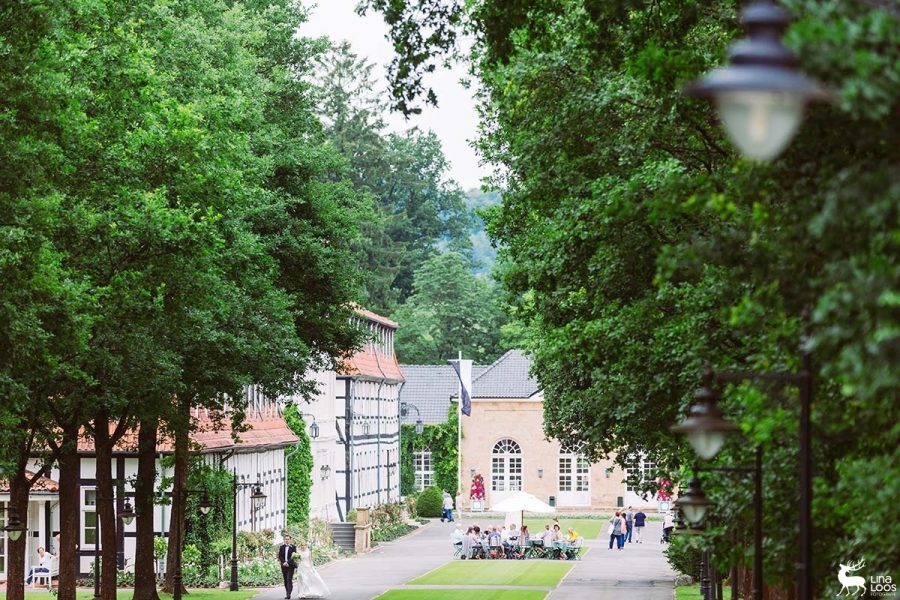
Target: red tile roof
<point>266,430</point>
<point>368,314</point>
<point>371,363</point>
<point>43,484</point>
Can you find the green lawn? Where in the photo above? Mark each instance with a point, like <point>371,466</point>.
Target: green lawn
<point>692,592</point>
<point>451,594</point>
<point>589,528</point>
<point>497,572</point>
<point>195,594</point>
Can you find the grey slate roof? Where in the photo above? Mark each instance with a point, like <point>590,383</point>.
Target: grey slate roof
<point>429,387</point>
<point>507,378</point>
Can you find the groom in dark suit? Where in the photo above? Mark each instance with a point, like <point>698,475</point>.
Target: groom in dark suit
<point>286,553</point>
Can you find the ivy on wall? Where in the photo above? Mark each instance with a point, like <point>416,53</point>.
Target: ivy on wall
<point>202,530</point>
<point>442,441</point>
<point>299,470</point>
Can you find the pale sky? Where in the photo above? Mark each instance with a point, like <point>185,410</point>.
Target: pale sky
<point>454,120</point>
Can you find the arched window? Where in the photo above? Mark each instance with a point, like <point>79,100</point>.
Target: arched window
<point>506,466</point>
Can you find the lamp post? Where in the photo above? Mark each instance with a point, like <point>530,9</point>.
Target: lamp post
<point>258,500</point>
<point>404,410</point>
<point>127,515</point>
<point>205,506</point>
<point>313,427</point>
<point>690,427</point>
<point>760,96</point>
<point>694,504</point>
<point>14,527</point>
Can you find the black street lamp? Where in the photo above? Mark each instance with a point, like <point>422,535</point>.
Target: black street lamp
<point>404,410</point>
<point>313,427</point>
<point>127,515</point>
<point>705,426</point>
<point>14,527</point>
<point>205,507</point>
<point>258,500</point>
<point>803,380</point>
<point>694,504</point>
<point>760,96</point>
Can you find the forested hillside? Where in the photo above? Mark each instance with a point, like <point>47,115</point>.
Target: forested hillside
<point>423,255</point>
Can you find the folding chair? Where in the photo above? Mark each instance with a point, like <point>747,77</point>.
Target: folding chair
<point>535,549</point>
<point>495,547</point>
<point>574,549</point>
<point>457,549</point>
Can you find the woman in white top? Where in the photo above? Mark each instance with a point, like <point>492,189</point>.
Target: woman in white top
<point>310,583</point>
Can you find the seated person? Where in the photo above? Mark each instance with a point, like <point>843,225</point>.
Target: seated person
<point>45,559</point>
<point>573,535</point>
<point>547,536</point>
<point>495,543</point>
<point>456,536</point>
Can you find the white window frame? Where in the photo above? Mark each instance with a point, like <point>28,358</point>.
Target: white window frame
<point>506,466</point>
<point>4,555</point>
<point>574,471</point>
<point>423,467</point>
<point>85,510</point>
<point>642,465</point>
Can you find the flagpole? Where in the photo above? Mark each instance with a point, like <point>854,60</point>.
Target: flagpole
<point>459,431</point>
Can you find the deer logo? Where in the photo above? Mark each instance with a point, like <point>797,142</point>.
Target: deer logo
<point>856,582</point>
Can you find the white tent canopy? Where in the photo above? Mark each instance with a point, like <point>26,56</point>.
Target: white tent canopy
<point>518,504</point>
<point>522,502</point>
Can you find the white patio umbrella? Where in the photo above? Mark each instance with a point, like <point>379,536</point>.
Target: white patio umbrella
<point>522,502</point>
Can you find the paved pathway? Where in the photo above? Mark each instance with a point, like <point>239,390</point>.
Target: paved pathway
<point>388,566</point>
<point>640,570</point>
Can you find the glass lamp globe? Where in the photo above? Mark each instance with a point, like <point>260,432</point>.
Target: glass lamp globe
<point>127,514</point>
<point>15,528</point>
<point>760,123</point>
<point>420,427</point>
<point>693,503</point>
<point>706,443</point>
<point>205,505</point>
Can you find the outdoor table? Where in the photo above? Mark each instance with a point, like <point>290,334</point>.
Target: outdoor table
<point>534,548</point>
<point>559,548</point>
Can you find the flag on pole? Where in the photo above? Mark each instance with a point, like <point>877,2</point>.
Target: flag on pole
<point>463,370</point>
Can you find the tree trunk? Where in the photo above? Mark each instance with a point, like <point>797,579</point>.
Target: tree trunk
<point>179,483</point>
<point>69,501</point>
<point>106,513</point>
<point>18,503</point>
<point>144,572</point>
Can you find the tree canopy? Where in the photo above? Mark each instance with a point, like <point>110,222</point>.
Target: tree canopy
<point>637,246</point>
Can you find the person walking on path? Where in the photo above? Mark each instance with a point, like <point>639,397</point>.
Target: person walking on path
<point>640,520</point>
<point>310,583</point>
<point>629,523</point>
<point>286,553</point>
<point>447,511</point>
<point>616,531</point>
<point>668,526</point>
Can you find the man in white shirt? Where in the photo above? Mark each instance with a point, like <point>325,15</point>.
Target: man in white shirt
<point>45,560</point>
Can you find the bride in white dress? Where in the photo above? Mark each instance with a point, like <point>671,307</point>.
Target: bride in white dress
<point>310,583</point>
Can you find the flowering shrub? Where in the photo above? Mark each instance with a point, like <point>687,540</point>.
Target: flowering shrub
<point>476,492</point>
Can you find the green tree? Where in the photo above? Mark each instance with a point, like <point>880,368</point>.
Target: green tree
<point>450,310</point>
<point>636,245</point>
<point>415,209</point>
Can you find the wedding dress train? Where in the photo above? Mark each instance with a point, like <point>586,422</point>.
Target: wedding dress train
<point>310,584</point>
